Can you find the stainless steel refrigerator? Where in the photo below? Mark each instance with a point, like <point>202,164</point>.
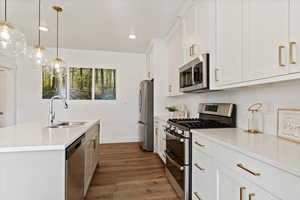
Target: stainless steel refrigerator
<point>146,120</point>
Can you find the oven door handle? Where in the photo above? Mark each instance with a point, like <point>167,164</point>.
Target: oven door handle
<point>181,168</point>
<point>176,138</point>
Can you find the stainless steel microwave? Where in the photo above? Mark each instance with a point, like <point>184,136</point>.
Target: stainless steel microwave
<point>194,76</point>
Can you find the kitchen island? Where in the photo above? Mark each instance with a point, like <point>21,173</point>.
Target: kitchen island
<point>33,159</point>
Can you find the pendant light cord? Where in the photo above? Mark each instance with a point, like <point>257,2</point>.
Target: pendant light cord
<point>5,10</point>
<point>39,31</point>
<point>57,34</point>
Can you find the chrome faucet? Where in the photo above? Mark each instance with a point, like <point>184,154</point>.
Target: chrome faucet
<point>51,111</point>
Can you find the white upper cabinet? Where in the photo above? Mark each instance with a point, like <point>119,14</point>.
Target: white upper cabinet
<point>228,52</point>
<point>294,51</point>
<point>189,33</point>
<point>266,28</point>
<point>175,58</point>
<point>205,25</point>
<point>197,24</point>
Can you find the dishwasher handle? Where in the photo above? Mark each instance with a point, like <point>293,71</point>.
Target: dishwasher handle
<point>74,146</point>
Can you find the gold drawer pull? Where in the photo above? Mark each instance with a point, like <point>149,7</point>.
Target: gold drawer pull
<point>241,192</point>
<point>198,167</point>
<point>200,145</point>
<point>216,74</point>
<point>280,48</point>
<point>197,195</point>
<point>240,165</point>
<point>251,195</point>
<point>292,59</point>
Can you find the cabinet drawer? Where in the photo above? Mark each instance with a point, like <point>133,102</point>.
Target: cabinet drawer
<point>203,145</point>
<point>276,181</point>
<point>202,175</point>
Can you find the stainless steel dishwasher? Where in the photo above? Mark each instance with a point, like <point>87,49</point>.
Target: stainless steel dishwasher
<point>75,170</point>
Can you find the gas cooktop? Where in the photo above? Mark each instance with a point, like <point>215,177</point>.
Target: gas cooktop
<point>212,115</point>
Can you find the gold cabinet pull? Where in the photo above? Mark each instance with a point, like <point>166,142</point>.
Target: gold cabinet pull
<point>216,75</point>
<point>197,195</point>
<point>240,165</point>
<point>192,50</point>
<point>251,195</point>
<point>242,192</point>
<point>198,167</point>
<point>200,145</point>
<point>280,48</point>
<point>291,52</point>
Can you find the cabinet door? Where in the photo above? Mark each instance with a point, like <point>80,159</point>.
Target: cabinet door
<point>231,185</point>
<point>190,25</point>
<point>203,175</point>
<point>266,27</point>
<point>228,50</point>
<point>175,59</point>
<point>205,23</point>
<point>190,33</point>
<point>163,144</point>
<point>294,50</point>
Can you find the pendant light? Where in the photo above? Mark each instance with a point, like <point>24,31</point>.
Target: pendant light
<point>58,65</point>
<point>39,54</point>
<point>12,41</point>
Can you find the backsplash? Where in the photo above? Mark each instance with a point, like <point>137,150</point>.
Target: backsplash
<point>272,96</point>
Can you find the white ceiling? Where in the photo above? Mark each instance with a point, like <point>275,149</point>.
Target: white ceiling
<point>96,24</point>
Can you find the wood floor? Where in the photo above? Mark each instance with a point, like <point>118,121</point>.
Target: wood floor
<point>128,173</point>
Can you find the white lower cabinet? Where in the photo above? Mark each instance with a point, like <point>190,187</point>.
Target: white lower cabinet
<point>230,186</point>
<point>203,176</point>
<point>220,173</point>
<point>234,187</point>
<point>160,139</point>
<point>91,155</point>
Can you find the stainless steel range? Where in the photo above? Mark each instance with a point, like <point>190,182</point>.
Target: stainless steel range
<point>179,143</point>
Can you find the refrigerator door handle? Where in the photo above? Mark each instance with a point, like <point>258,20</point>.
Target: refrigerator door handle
<point>141,101</point>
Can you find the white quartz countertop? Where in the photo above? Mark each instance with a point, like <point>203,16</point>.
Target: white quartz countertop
<point>36,137</point>
<point>266,148</point>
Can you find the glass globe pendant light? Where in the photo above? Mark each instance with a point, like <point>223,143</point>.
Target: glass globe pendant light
<point>12,41</point>
<point>39,54</point>
<point>58,66</point>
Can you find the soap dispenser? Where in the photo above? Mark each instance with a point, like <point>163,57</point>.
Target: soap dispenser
<point>255,119</point>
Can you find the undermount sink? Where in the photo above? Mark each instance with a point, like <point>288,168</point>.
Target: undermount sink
<point>67,124</point>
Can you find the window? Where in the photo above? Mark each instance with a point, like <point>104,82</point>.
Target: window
<point>53,85</point>
<point>105,84</point>
<point>80,83</point>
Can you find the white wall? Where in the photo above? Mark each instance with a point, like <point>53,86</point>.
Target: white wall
<point>118,117</point>
<point>272,96</point>
<point>7,91</point>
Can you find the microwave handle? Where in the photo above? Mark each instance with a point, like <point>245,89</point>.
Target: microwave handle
<point>193,78</point>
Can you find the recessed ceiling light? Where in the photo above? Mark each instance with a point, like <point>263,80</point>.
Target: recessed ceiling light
<point>132,36</point>
<point>43,28</point>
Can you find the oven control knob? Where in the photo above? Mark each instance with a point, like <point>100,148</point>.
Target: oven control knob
<point>181,140</point>
<point>181,168</point>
